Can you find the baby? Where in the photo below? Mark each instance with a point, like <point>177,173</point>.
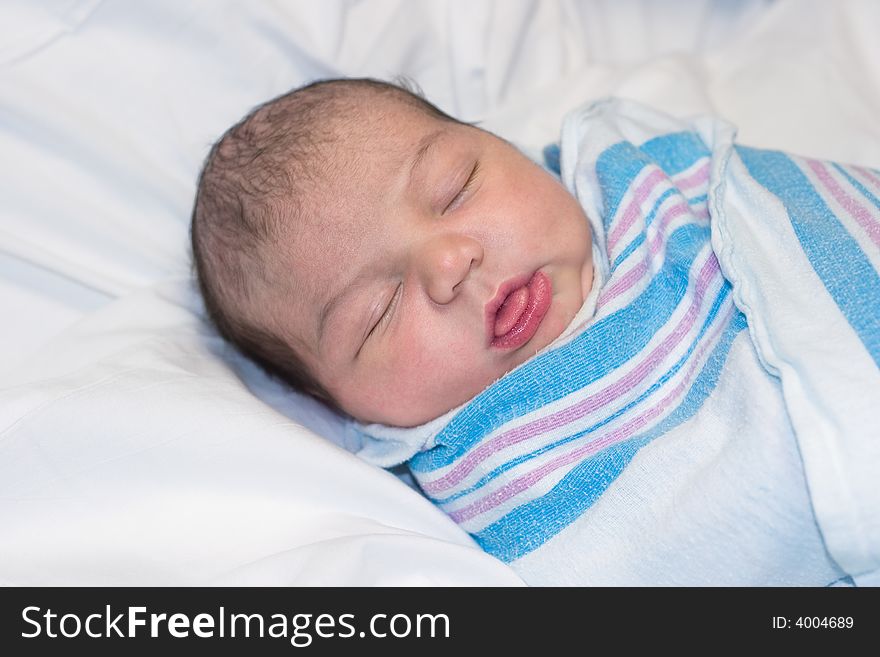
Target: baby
<point>352,238</point>
<point>561,358</point>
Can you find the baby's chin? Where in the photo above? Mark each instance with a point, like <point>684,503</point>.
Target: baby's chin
<point>552,327</point>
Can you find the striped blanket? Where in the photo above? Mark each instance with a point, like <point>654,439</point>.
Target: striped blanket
<point>711,416</point>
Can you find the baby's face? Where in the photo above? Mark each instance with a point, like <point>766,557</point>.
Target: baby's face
<point>442,259</point>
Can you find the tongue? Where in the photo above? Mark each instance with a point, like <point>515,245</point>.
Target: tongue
<point>511,310</point>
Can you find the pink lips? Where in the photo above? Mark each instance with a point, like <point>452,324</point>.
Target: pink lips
<point>515,313</point>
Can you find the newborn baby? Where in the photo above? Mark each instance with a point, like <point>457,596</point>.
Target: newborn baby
<point>382,256</point>
<point>561,358</point>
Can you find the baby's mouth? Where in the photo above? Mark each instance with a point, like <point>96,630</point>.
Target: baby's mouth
<point>516,312</point>
<point>511,310</point>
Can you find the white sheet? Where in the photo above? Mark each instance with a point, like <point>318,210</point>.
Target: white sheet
<point>130,450</point>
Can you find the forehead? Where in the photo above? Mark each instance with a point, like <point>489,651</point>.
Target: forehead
<point>381,127</point>
<point>359,175</point>
<point>363,168</point>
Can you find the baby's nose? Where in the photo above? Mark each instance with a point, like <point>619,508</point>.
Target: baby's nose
<point>445,262</point>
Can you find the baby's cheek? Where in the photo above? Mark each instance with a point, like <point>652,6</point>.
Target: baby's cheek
<point>437,369</point>
<point>437,349</point>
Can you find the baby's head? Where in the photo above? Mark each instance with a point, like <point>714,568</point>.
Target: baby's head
<point>380,255</point>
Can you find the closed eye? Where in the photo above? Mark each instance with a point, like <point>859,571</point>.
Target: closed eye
<point>389,310</point>
<point>456,200</point>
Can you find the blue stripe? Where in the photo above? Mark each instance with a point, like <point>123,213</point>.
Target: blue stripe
<point>530,525</point>
<point>859,186</point>
<point>616,170</point>
<point>598,350</point>
<point>834,254</point>
<point>656,386</point>
<point>552,160</point>
<point>642,236</point>
<point>676,152</point>
<point>619,165</point>
<point>632,246</point>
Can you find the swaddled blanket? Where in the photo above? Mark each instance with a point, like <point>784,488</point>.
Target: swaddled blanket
<point>709,417</point>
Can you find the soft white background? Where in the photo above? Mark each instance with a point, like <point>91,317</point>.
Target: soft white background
<point>134,447</point>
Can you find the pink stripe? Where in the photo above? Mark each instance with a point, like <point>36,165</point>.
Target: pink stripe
<point>869,175</point>
<point>644,190</point>
<point>655,245</point>
<point>565,416</point>
<point>856,209</point>
<point>625,282</point>
<point>635,205</point>
<point>622,433</point>
<point>698,177</point>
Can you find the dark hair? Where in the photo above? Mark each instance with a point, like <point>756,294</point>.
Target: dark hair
<point>269,156</point>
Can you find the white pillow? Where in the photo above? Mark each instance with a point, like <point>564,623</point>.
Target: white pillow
<point>131,453</point>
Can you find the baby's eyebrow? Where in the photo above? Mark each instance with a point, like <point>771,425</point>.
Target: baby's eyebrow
<point>424,146</point>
